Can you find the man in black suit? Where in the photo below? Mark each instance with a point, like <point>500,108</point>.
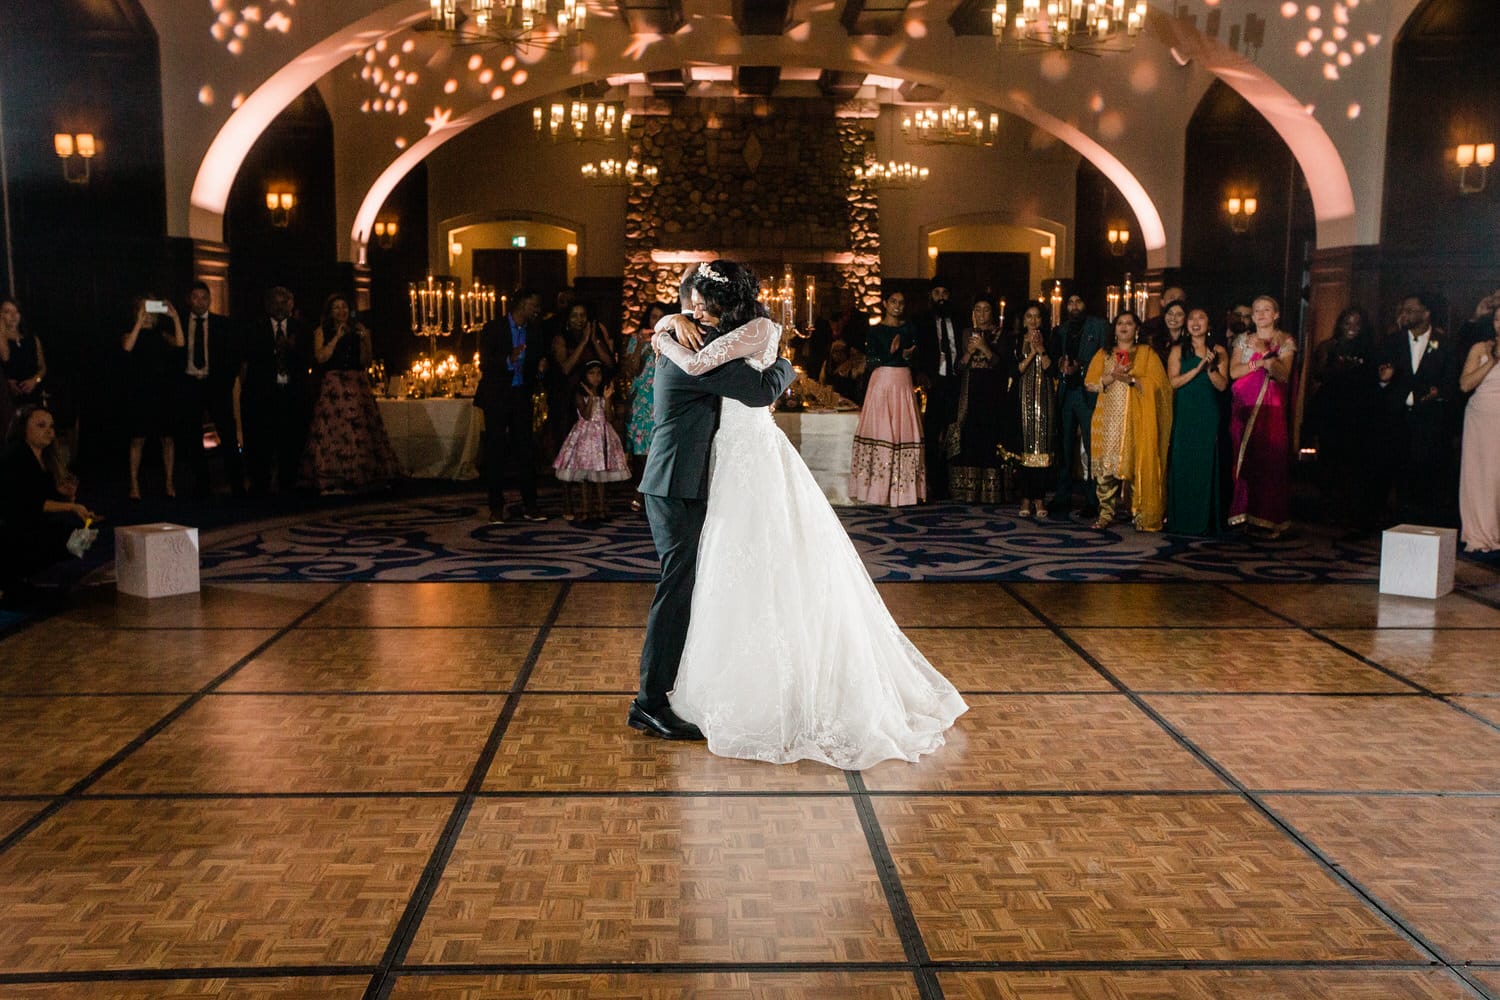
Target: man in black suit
<point>275,398</point>
<point>215,356</point>
<point>1418,376</point>
<point>1074,343</point>
<point>510,360</point>
<point>938,351</point>
<point>675,487</point>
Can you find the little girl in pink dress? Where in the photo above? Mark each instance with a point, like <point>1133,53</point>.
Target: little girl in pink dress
<point>592,453</point>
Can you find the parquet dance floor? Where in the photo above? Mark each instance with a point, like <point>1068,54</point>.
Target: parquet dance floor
<point>1162,790</point>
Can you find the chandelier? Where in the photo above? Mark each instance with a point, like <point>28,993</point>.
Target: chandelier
<point>1085,25</point>
<point>581,121</point>
<point>618,172</point>
<point>892,174</point>
<point>481,22</point>
<point>951,126</point>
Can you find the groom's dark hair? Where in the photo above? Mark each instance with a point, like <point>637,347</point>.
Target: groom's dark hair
<point>731,291</point>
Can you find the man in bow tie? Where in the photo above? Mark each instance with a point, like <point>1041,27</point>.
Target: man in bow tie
<point>1418,376</point>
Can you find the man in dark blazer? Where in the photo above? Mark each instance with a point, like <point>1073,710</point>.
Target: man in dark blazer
<point>675,487</point>
<point>215,356</point>
<point>1074,343</point>
<point>939,347</point>
<point>510,359</point>
<point>275,394</point>
<point>1418,375</point>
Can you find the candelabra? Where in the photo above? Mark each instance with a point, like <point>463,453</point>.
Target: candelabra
<point>432,312</point>
<point>1133,297</point>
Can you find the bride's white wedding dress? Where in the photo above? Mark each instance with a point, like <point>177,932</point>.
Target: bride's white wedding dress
<point>791,653</point>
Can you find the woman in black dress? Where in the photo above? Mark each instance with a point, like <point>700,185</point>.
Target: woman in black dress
<point>153,349</point>
<point>975,468</point>
<point>1029,426</point>
<point>347,450</point>
<point>37,507</point>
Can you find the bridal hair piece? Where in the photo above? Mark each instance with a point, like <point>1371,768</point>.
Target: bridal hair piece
<point>708,272</point>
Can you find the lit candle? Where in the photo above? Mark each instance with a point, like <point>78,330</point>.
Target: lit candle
<point>812,295</point>
<point>1002,313</point>
<point>411,290</point>
<point>450,309</point>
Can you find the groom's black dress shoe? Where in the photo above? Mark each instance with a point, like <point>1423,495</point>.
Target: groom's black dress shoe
<point>663,723</point>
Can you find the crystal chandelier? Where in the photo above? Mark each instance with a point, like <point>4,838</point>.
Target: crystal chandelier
<point>581,121</point>
<point>1085,25</point>
<point>951,126</point>
<point>892,174</point>
<point>532,22</point>
<point>613,172</point>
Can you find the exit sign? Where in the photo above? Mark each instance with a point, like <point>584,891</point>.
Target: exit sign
<point>518,241</point>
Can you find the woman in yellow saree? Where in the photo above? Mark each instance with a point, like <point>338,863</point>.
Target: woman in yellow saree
<point>1132,427</point>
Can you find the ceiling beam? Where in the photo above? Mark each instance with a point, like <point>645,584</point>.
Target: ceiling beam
<point>758,81</point>
<point>762,17</point>
<point>873,17</point>
<point>652,17</point>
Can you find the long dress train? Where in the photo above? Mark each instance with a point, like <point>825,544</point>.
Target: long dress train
<point>791,653</point>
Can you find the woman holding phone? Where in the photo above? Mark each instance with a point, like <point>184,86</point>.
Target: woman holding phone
<point>153,347</point>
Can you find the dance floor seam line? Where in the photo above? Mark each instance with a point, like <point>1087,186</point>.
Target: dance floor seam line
<point>1250,796</point>
<point>118,757</point>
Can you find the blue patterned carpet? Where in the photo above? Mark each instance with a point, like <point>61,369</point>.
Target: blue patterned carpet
<point>446,538</point>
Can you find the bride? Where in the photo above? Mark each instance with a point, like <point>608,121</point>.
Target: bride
<point>790,653</point>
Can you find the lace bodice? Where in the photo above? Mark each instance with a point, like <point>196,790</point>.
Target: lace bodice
<point>757,342</point>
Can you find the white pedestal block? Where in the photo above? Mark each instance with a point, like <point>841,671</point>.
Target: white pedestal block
<point>1417,561</point>
<point>156,560</point>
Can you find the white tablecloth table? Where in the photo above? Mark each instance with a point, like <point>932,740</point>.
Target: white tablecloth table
<point>434,438</point>
<point>825,440</point>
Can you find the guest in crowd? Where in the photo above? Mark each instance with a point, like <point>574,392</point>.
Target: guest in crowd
<point>592,455</point>
<point>215,354</point>
<point>1239,319</point>
<point>1030,425</point>
<point>639,362</point>
<point>1169,332</point>
<point>1418,378</point>
<point>936,359</point>
<point>1199,371</point>
<point>579,340</point>
<point>1132,427</point>
<point>972,441</point>
<point>39,508</point>
<point>1343,413</point>
<point>1074,344</point>
<point>347,448</point>
<point>887,466</point>
<point>1479,471</point>
<point>1154,330</point>
<point>154,347</point>
<point>22,359</point>
<point>844,372</point>
<point>1477,326</point>
<point>509,359</point>
<point>1260,364</point>
<point>275,396</point>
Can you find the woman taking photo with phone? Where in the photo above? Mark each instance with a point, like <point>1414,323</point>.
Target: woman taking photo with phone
<point>153,347</point>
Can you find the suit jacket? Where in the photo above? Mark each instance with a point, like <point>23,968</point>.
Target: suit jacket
<point>496,377</point>
<point>1090,342</point>
<point>226,349</point>
<point>686,413</point>
<point>930,348</point>
<point>260,357</point>
<point>1438,369</point>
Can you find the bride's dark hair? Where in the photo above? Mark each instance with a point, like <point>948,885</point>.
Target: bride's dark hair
<point>730,290</point>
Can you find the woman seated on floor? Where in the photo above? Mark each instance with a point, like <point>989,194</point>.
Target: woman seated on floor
<point>37,507</point>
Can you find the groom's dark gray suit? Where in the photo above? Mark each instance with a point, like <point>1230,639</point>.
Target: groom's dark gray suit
<point>675,486</point>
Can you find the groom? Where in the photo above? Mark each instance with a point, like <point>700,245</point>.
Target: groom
<point>675,487</point>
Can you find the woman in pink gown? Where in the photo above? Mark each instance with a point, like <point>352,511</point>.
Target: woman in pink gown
<point>1260,363</point>
<point>1479,475</point>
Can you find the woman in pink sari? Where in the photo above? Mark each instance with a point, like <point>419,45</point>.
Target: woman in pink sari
<point>1260,364</point>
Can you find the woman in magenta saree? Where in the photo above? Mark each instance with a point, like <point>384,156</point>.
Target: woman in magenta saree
<point>1261,366</point>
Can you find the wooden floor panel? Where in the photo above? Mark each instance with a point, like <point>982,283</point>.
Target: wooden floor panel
<point>213,883</point>
<point>316,743</point>
<point>1230,660</point>
<point>970,605</point>
<point>1139,604</point>
<point>1236,984</point>
<point>1451,661</point>
<point>217,605</point>
<point>1050,743</point>
<point>285,988</point>
<point>663,986</point>
<point>580,743</point>
<point>1120,879</point>
<point>47,744</point>
<point>1487,707</point>
<point>603,604</point>
<point>659,880</point>
<point>67,657</point>
<point>398,659</point>
<point>589,659</point>
<point>13,814</point>
<point>1326,605</point>
<point>1430,858</point>
<point>445,605</point>
<point>1006,659</point>
<point>1353,744</point>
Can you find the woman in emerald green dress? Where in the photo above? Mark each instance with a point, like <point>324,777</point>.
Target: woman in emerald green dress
<point>1199,371</point>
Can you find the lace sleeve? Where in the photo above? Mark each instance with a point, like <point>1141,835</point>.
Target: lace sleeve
<point>756,341</point>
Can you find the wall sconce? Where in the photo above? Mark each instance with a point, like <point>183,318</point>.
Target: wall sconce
<point>572,249</point>
<point>455,248</point>
<point>1119,239</point>
<point>1240,210</point>
<point>1469,155</point>
<point>1047,253</point>
<point>385,233</point>
<point>280,205</point>
<point>75,151</point>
